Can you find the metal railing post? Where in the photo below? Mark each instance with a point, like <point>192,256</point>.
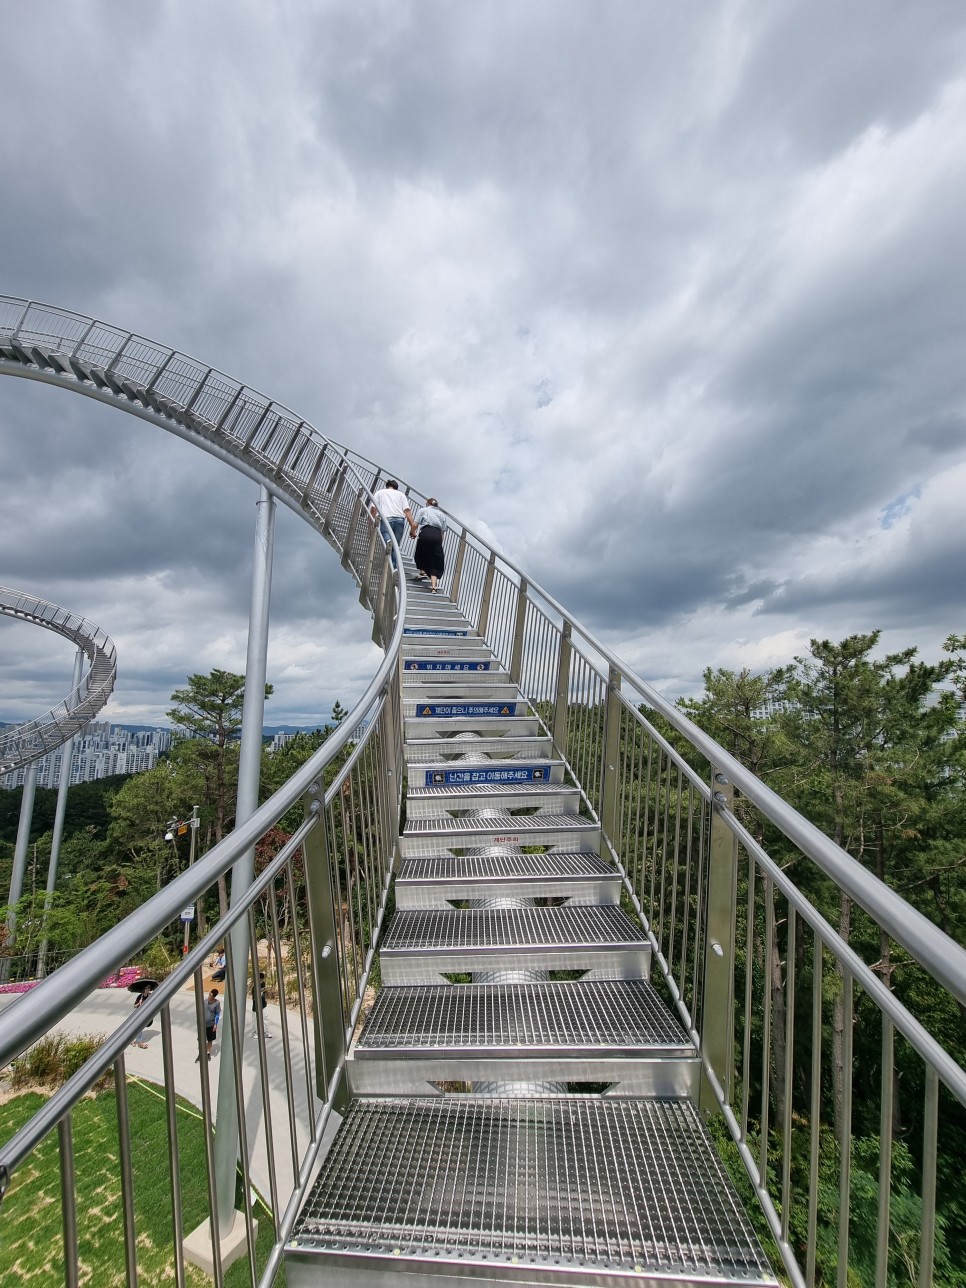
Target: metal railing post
<point>561,697</point>
<point>484,617</point>
<point>454,589</point>
<point>328,1010</point>
<point>355,514</point>
<point>609,767</point>
<point>519,627</point>
<point>717,1009</point>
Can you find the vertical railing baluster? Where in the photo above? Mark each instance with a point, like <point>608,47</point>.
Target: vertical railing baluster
<point>930,1136</point>
<point>561,708</point>
<point>174,1150</point>
<point>766,1034</point>
<point>717,1035</point>
<point>749,994</point>
<point>127,1174</point>
<point>885,1155</point>
<point>845,1143</point>
<point>788,1071</point>
<point>815,1107</point>
<point>68,1201</point>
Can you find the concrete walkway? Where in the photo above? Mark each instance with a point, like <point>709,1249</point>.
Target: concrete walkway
<point>105,1009</point>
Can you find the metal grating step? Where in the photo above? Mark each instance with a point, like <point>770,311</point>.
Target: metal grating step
<point>423,945</point>
<point>570,832</point>
<point>612,1032</point>
<point>430,802</point>
<point>440,751</point>
<point>447,675</point>
<point>455,648</point>
<point>499,929</point>
<point>492,725</point>
<point>476,688</point>
<point>616,1015</point>
<point>550,1191</point>
<point>483,769</point>
<point>439,881</point>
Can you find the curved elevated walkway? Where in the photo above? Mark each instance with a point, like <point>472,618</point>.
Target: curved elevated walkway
<point>27,742</point>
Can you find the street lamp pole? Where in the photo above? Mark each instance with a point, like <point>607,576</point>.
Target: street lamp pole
<point>193,823</point>
<point>178,827</point>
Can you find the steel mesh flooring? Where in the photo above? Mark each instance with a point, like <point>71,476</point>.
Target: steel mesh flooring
<point>475,866</point>
<point>575,1183</point>
<point>619,1015</point>
<point>457,790</point>
<point>509,823</point>
<point>430,751</point>
<point>511,928</point>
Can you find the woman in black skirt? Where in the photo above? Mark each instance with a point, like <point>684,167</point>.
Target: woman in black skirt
<point>428,555</point>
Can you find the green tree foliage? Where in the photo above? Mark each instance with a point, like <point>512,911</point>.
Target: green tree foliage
<point>871,749</point>
<point>209,709</point>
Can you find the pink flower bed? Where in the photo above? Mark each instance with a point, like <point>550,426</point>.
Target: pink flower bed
<point>125,976</point>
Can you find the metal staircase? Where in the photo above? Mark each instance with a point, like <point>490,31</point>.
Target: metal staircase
<point>523,1103</point>
<point>519,1105</point>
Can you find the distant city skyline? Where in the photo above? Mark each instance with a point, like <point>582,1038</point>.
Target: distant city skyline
<point>105,748</point>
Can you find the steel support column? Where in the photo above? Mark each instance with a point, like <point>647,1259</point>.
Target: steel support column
<point>249,766</point>
<point>66,757</point>
<point>19,860</point>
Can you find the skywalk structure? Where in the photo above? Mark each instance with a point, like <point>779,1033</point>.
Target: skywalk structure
<point>27,742</point>
<point>586,955</point>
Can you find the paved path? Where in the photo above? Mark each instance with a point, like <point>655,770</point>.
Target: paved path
<point>107,1007</point>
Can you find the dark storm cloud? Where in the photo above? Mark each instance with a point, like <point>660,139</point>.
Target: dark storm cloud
<point>667,298</point>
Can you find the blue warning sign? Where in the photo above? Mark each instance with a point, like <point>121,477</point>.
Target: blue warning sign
<point>467,777</point>
<point>467,709</point>
<point>431,630</point>
<point>446,666</point>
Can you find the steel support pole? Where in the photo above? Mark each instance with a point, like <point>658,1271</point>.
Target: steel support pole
<point>718,1007</point>
<point>242,873</point>
<point>20,860</point>
<point>66,757</point>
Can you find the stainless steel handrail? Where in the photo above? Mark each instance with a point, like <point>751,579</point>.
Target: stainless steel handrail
<point>941,956</point>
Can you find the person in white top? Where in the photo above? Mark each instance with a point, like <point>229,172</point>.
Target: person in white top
<point>392,508</point>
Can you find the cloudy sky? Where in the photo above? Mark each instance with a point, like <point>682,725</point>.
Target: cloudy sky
<point>670,294</point>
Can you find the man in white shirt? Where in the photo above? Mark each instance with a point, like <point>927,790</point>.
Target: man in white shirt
<point>392,507</point>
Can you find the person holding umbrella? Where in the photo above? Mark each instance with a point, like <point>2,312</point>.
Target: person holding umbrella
<point>144,988</point>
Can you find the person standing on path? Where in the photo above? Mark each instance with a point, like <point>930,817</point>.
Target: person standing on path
<point>139,1001</point>
<point>428,555</point>
<point>259,996</point>
<point>392,508</point>
<point>212,1017</point>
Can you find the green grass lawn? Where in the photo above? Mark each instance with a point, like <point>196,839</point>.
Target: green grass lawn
<point>31,1245</point>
